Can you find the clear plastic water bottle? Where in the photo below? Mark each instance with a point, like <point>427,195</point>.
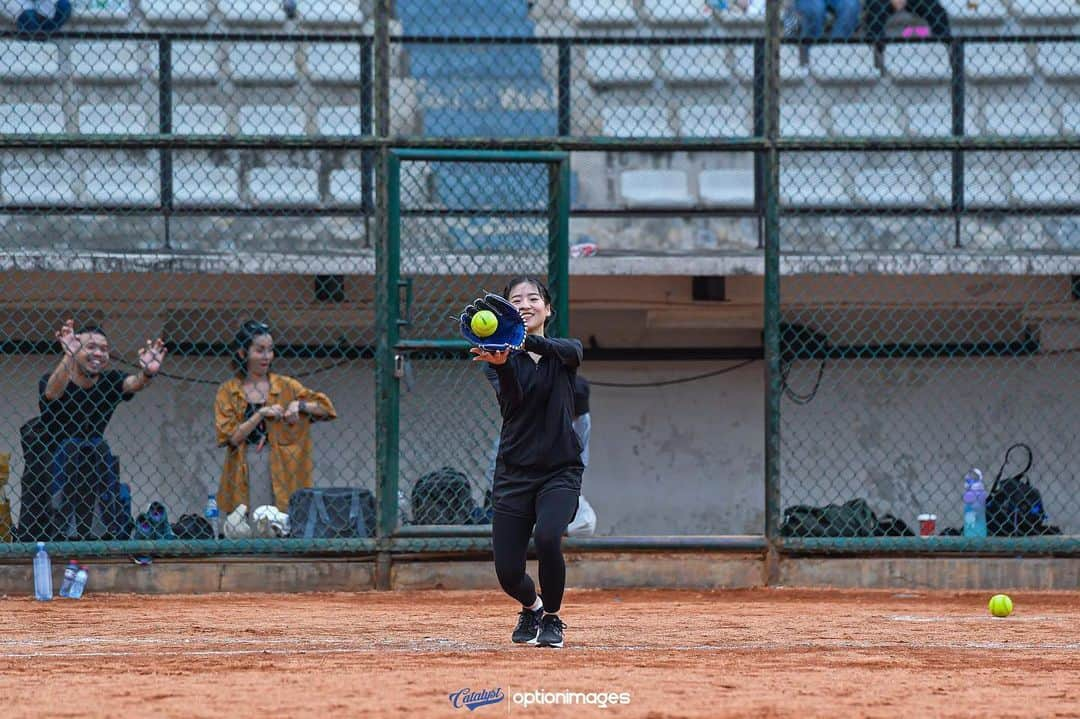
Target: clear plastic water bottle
<point>42,574</point>
<point>79,585</point>
<point>213,515</point>
<point>974,504</point>
<point>69,577</point>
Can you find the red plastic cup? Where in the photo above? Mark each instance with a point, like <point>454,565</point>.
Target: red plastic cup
<point>927,525</point>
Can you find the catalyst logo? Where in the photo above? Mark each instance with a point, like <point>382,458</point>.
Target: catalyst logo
<point>475,699</point>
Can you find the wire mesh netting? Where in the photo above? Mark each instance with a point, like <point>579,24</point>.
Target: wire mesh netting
<point>467,228</point>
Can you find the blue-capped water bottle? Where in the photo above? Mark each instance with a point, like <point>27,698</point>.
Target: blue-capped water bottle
<point>79,585</point>
<point>213,515</point>
<point>69,577</point>
<point>974,504</point>
<point>42,574</point>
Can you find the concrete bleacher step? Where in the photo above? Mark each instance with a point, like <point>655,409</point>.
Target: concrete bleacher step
<point>21,61</point>
<point>696,64</point>
<point>113,11</point>
<point>108,60</point>
<point>904,185</point>
<point>860,119</point>
<point>196,61</point>
<point>333,62</point>
<point>179,12</point>
<point>995,62</point>
<point>256,62</point>
<point>981,12</point>
<point>612,65</point>
<point>1045,185</point>
<point>200,120</point>
<point>918,63</point>
<point>637,121</point>
<point>488,185</point>
<point>121,184</point>
<point>792,71</point>
<point>929,119</point>
<point>102,119</point>
<point>726,187</point>
<point>661,189</point>
<point>283,186</point>
<point>801,121</point>
<point>199,183</point>
<point>1042,11</point>
<point>1014,119</point>
<point>603,12</point>
<point>1059,60</point>
<point>38,182</point>
<point>253,12</point>
<point>440,122</point>
<point>477,237</point>
<point>271,120</point>
<point>843,64</point>
<point>346,186</point>
<point>31,118</point>
<point>504,62</point>
<point>715,120</point>
<point>339,120</point>
<point>675,12</point>
<point>330,12</point>
<point>825,186</point>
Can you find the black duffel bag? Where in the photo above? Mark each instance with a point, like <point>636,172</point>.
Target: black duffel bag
<point>332,513</point>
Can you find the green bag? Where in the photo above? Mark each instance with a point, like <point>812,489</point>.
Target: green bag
<point>850,519</point>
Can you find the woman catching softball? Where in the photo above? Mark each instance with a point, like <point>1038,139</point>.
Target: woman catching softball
<point>538,468</point>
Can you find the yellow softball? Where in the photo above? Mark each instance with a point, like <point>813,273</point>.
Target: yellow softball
<point>1000,605</point>
<point>484,323</point>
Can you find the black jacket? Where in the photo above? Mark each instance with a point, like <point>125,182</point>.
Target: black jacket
<point>537,404</point>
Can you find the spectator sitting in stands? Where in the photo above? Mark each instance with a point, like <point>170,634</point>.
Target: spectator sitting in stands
<point>878,13</point>
<point>812,18</point>
<point>40,18</point>
<point>77,400</point>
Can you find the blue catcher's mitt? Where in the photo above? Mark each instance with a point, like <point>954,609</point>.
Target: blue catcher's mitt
<point>510,334</point>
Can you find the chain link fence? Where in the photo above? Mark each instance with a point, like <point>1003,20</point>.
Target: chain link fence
<point>914,272</point>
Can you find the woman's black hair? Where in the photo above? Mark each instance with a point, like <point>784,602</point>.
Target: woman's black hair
<point>532,280</point>
<point>242,342</point>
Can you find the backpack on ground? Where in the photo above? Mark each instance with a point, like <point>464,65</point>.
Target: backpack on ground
<point>850,519</point>
<point>443,497</point>
<point>1014,507</point>
<point>332,512</point>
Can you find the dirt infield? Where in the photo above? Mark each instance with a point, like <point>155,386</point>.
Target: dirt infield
<point>764,653</point>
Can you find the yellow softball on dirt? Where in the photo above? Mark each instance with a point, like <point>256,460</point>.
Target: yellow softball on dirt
<point>484,323</point>
<point>1000,605</point>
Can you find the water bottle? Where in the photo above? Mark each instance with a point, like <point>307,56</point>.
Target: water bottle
<point>69,577</point>
<point>974,504</point>
<point>42,574</point>
<point>79,585</point>
<point>212,514</point>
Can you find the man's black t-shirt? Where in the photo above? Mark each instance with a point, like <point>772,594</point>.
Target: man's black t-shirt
<point>537,404</point>
<point>82,413</point>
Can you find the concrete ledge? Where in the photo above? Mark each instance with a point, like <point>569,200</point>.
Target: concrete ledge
<point>681,570</point>
<point>986,573</point>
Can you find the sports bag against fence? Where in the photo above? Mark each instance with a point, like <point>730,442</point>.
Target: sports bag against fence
<point>853,518</point>
<point>1014,508</point>
<point>332,512</point>
<point>443,497</point>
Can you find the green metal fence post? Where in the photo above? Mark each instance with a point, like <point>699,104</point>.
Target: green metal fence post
<point>559,239</point>
<point>387,257</point>
<point>772,289</point>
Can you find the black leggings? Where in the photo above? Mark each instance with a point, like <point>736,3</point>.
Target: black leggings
<point>510,538</point>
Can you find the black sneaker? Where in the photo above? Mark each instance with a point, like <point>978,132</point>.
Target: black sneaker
<point>528,627</point>
<point>551,631</point>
